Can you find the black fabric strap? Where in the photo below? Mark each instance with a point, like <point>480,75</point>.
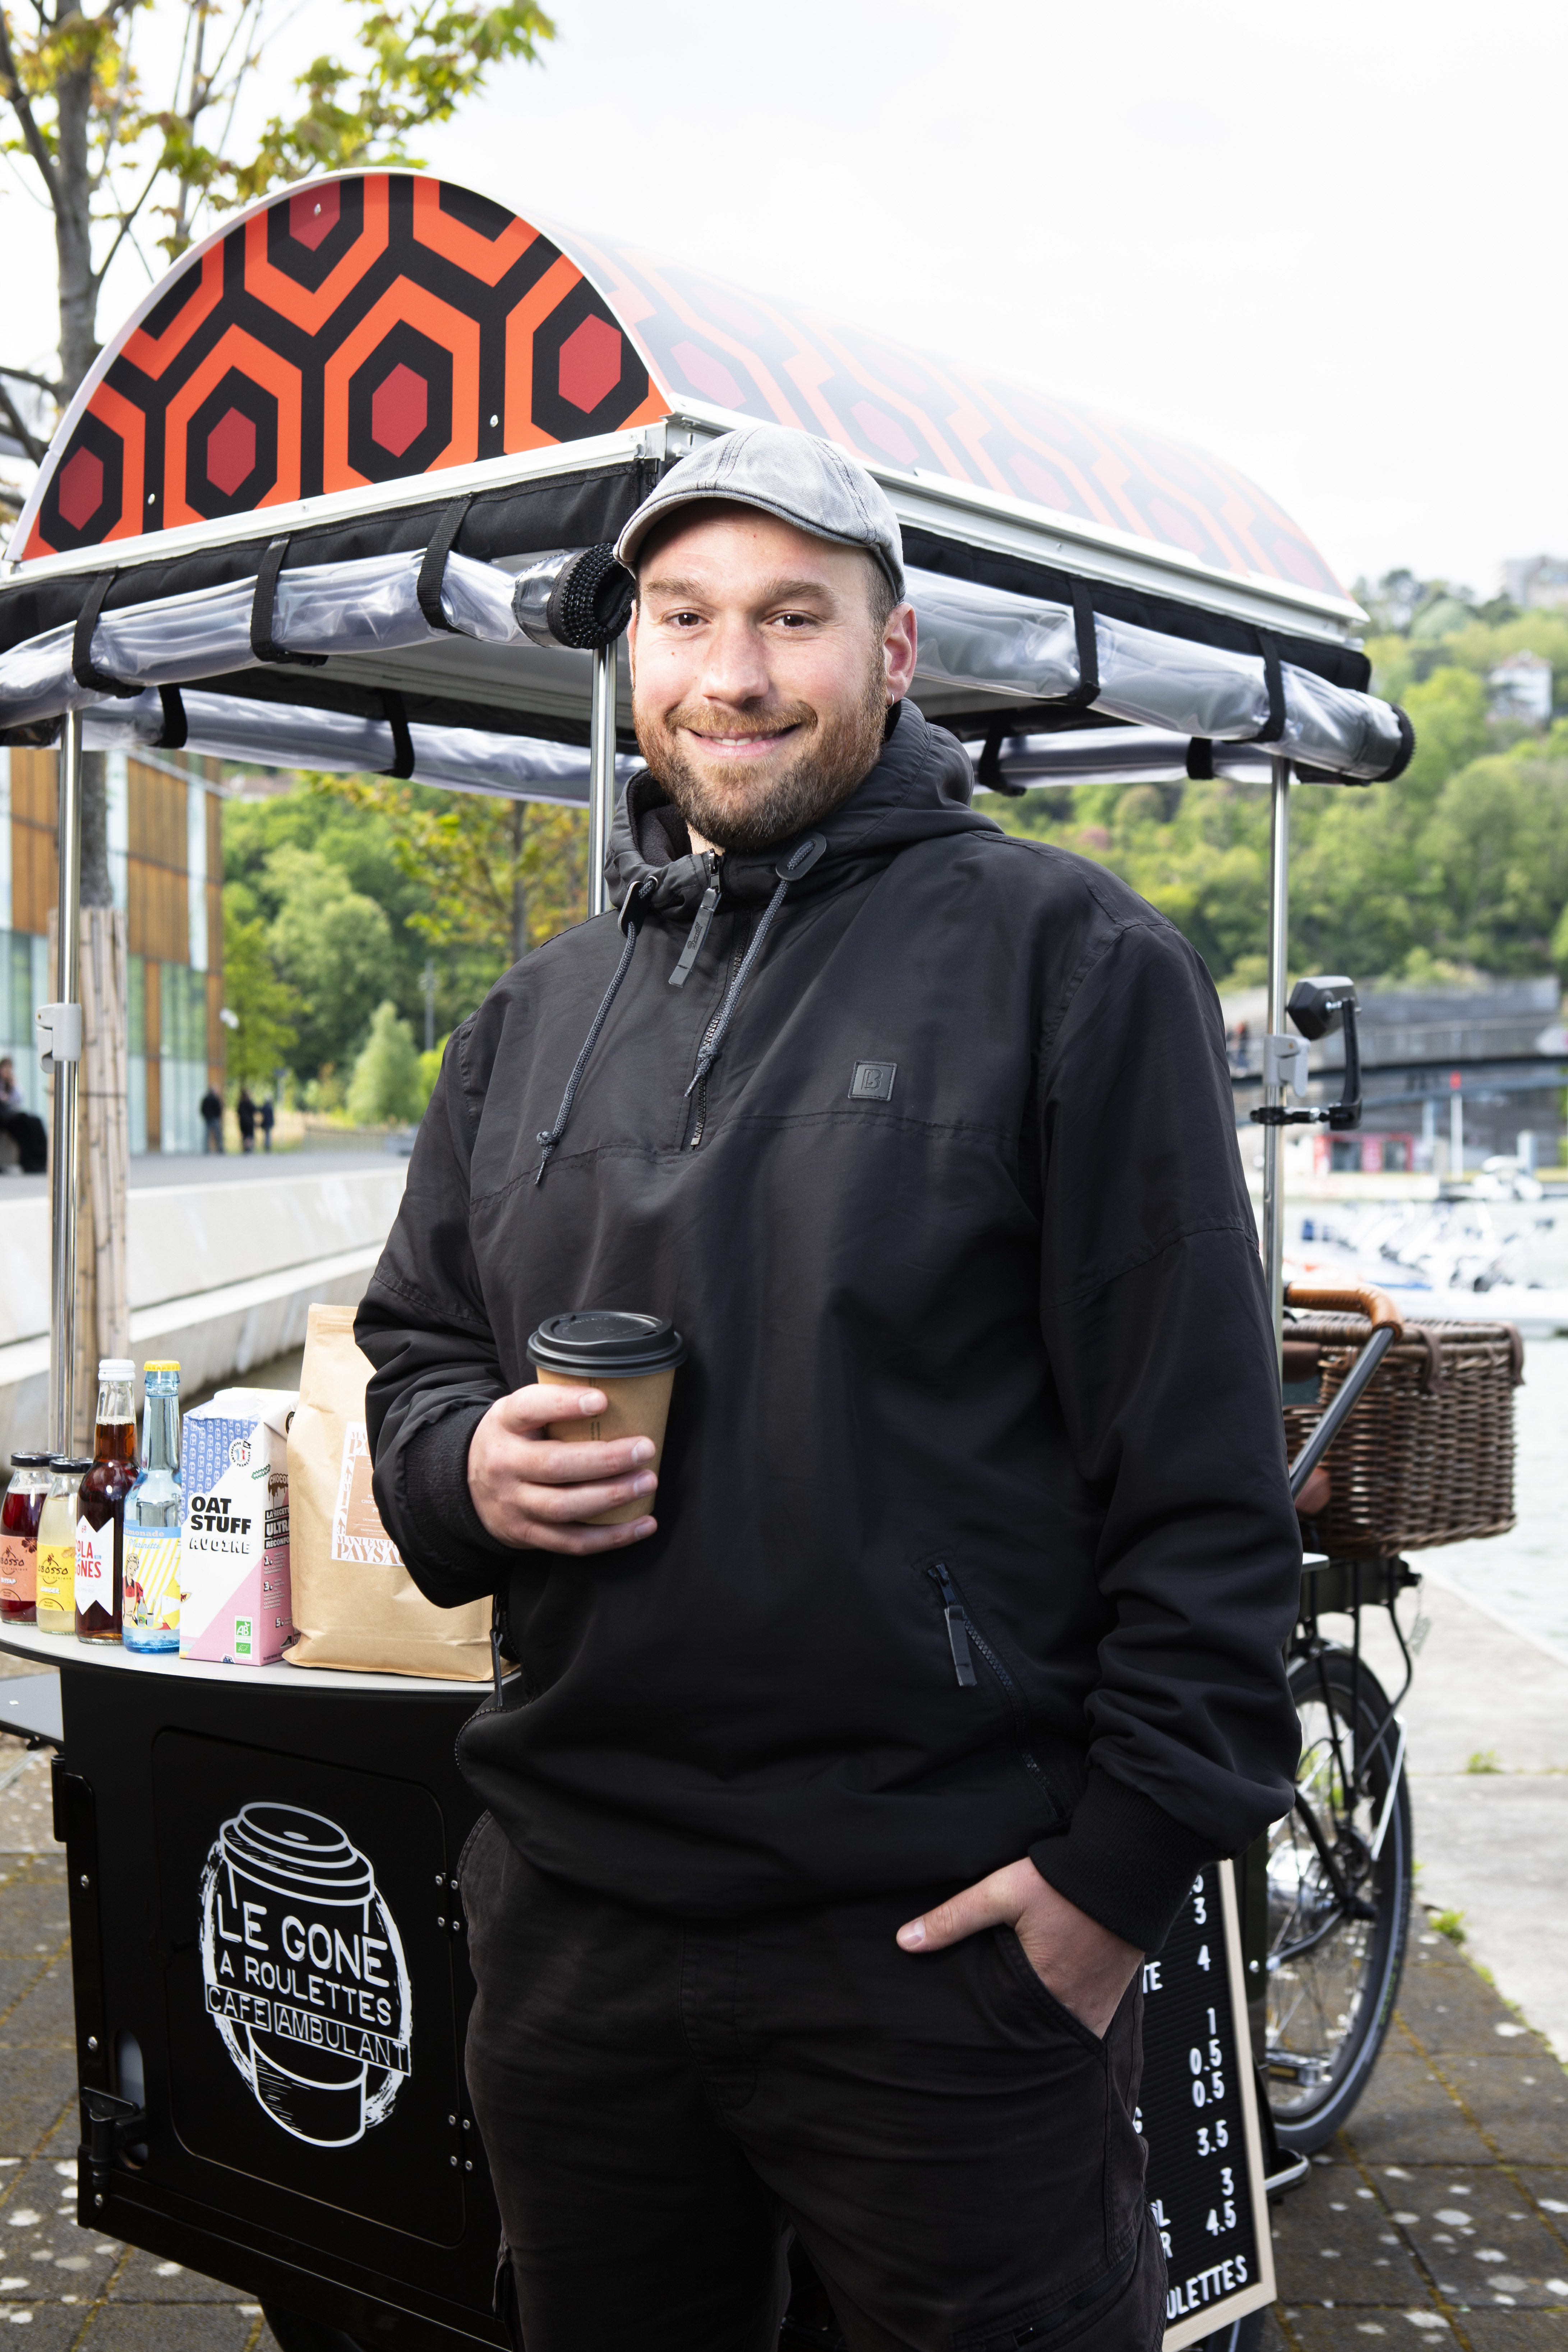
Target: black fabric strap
<point>1087,690</point>
<point>1200,759</point>
<point>988,776</point>
<point>263,644</point>
<point>397,715</point>
<point>173,733</point>
<point>433,569</point>
<point>1273,730</point>
<point>82,670</point>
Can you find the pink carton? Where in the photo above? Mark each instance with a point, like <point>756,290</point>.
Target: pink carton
<point>235,1608</point>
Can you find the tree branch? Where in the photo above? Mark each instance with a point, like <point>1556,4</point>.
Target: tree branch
<point>21,107</point>
<point>39,382</point>
<point>9,415</point>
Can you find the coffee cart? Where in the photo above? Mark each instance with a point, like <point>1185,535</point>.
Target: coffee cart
<point>340,495</point>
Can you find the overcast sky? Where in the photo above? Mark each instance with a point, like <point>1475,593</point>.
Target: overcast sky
<point>1323,241</point>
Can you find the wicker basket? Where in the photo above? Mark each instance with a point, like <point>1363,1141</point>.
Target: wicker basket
<point>1426,1456</point>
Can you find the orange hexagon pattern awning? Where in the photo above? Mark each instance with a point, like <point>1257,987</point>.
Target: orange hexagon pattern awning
<point>380,326</point>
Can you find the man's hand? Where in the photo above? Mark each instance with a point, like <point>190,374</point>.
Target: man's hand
<point>1083,1964</point>
<point>532,1489</point>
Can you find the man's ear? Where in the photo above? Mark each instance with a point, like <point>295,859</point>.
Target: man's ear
<point>900,644</point>
<point>632,641</point>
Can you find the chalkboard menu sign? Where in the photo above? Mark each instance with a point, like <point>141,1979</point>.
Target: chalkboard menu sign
<point>1199,2116</point>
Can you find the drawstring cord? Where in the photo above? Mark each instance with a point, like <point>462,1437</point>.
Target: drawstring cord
<point>550,1137</point>
<point>800,861</point>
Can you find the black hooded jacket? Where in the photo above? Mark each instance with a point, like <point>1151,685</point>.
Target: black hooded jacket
<point>974,1531</point>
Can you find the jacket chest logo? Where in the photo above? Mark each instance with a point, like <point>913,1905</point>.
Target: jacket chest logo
<point>873,1081</point>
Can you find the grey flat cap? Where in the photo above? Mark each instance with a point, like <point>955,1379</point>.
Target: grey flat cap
<point>786,473</point>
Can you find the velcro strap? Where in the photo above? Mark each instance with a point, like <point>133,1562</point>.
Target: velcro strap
<point>173,733</point>
<point>432,568</point>
<point>263,644</point>
<point>97,681</point>
<point>395,711</point>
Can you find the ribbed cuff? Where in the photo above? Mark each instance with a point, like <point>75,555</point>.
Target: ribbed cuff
<point>435,1488</point>
<point>1124,1860</point>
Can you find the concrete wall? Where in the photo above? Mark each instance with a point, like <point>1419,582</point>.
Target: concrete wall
<point>221,1275</point>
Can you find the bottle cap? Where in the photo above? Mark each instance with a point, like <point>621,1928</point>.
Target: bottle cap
<point>162,1364</point>
<point>30,1461</point>
<point>116,1368</point>
<point>78,1461</point>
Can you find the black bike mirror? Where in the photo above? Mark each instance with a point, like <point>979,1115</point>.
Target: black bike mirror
<point>1318,1005</point>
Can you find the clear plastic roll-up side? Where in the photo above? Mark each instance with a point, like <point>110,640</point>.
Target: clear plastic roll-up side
<point>284,735</point>
<point>367,605</point>
<point>1331,727</point>
<point>988,637</point>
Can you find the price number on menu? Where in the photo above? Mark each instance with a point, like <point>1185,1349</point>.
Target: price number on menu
<point>1195,2039</point>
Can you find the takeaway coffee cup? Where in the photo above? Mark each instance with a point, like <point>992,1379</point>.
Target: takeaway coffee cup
<point>632,1358</point>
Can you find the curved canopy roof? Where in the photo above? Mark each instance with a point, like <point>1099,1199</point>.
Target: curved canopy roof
<point>380,326</point>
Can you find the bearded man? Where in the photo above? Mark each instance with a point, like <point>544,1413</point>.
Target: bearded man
<point>847,1782</point>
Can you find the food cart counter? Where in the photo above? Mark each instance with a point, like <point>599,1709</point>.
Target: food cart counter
<point>268,1959</point>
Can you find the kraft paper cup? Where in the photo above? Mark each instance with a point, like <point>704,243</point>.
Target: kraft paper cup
<point>632,1358</point>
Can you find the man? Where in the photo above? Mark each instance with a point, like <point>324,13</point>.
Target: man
<point>26,1132</point>
<point>212,1119</point>
<point>846,1784</point>
<point>245,1112</point>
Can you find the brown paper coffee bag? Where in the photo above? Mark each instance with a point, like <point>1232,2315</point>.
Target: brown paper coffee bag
<point>355,1604</point>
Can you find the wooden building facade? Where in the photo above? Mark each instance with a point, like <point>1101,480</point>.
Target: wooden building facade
<point>166,863</point>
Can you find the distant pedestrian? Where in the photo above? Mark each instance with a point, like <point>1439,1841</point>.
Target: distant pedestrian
<point>267,1118</point>
<point>212,1119</point>
<point>17,1121</point>
<point>246,1110</point>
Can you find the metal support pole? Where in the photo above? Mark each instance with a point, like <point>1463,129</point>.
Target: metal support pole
<point>1273,1137</point>
<point>601,774</point>
<point>67,990</point>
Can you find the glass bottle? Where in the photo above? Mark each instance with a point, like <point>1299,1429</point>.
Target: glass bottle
<point>19,1538</point>
<point>152,1514</point>
<point>101,1506</point>
<point>56,1545</point>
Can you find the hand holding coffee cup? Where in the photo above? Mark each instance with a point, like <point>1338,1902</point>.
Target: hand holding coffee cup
<point>542,1474</point>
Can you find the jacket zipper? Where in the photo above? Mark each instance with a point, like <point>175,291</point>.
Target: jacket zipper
<point>702,922</point>
<point>700,1109</point>
<point>963,1638</point>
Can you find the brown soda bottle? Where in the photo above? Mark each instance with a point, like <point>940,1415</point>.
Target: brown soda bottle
<point>101,1506</point>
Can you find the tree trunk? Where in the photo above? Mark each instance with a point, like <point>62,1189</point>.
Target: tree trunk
<point>73,232</point>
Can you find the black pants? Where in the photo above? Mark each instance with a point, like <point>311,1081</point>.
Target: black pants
<point>663,2102</point>
<point>28,1133</point>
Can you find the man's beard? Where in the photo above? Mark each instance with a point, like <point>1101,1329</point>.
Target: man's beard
<point>748,812</point>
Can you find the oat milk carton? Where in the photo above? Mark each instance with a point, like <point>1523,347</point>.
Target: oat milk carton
<point>233,1546</point>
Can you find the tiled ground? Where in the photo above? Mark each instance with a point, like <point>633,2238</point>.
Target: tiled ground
<point>1441,2214</point>
<point>69,2286</point>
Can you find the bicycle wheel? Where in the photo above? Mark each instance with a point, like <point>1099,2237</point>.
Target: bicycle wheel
<point>1339,1875</point>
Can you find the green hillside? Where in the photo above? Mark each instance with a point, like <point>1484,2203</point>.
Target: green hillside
<point>1460,866</point>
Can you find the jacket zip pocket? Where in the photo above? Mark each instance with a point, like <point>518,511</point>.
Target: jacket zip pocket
<point>700,1109</point>
<point>966,1641</point>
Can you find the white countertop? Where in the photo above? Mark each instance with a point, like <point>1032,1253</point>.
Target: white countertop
<point>64,1649</point>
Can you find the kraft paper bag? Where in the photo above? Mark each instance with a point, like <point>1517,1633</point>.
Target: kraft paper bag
<point>355,1604</point>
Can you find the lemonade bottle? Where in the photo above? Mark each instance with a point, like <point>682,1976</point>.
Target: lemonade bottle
<point>151,1617</point>
<point>57,1545</point>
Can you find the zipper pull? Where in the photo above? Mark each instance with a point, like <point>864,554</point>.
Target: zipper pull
<point>697,934</point>
<point>957,1627</point>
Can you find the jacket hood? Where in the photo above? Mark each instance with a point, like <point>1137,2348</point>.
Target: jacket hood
<point>918,790</point>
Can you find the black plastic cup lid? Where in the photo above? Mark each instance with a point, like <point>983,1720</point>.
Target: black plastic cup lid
<point>603,1340</point>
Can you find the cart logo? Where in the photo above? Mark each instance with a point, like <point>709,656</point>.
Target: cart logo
<point>304,1973</point>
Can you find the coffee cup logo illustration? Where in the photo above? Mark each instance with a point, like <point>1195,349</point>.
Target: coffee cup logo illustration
<point>304,1973</point>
